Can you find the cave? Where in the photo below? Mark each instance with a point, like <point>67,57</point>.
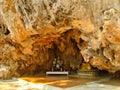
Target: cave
<point>76,36</point>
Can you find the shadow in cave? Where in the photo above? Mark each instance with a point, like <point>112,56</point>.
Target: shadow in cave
<point>4,30</point>
<point>115,75</point>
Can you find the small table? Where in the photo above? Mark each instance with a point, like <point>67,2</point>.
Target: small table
<point>58,72</point>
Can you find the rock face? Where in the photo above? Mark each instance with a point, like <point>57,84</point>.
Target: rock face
<point>34,32</point>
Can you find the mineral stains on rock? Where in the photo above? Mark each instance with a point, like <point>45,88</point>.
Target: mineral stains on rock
<point>34,32</point>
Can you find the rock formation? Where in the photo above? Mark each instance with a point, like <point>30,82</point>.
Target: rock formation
<point>34,32</point>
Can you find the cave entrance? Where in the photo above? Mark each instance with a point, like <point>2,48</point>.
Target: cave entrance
<point>69,59</point>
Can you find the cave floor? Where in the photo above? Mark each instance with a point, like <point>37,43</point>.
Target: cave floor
<point>59,82</point>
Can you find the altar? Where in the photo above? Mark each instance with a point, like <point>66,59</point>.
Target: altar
<point>57,72</point>
<point>57,67</point>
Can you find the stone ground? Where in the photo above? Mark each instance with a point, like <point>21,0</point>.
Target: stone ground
<point>59,83</point>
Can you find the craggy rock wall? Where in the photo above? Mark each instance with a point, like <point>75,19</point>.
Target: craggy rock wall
<point>34,32</point>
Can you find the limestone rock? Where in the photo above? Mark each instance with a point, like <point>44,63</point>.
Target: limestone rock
<point>34,32</point>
